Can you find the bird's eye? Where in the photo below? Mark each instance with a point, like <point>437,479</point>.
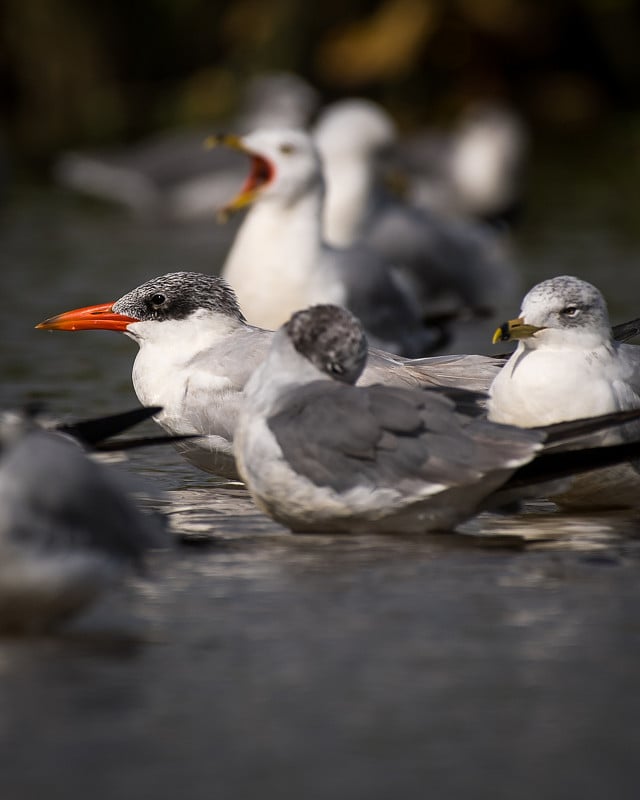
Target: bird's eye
<point>287,148</point>
<point>335,368</point>
<point>570,311</point>
<point>158,299</point>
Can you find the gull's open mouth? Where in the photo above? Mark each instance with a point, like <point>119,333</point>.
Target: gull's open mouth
<point>262,173</point>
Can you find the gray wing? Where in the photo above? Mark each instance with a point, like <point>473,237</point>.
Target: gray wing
<point>235,356</point>
<point>391,319</point>
<point>217,378</point>
<point>386,437</point>
<point>627,388</point>
<point>448,263</point>
<point>473,372</point>
<point>626,374</point>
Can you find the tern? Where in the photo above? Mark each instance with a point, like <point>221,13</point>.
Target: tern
<point>196,353</point>
<point>68,529</point>
<point>319,454</point>
<point>567,366</point>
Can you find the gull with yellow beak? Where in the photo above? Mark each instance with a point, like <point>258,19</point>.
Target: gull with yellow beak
<point>280,262</point>
<point>567,365</point>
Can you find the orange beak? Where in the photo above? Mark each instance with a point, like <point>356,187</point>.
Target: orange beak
<point>100,317</point>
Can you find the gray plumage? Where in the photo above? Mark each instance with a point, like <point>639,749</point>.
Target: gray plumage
<point>68,529</point>
<point>388,437</point>
<point>568,366</point>
<point>323,455</point>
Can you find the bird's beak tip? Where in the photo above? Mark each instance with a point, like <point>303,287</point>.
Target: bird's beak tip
<point>214,140</point>
<point>500,334</point>
<point>515,329</point>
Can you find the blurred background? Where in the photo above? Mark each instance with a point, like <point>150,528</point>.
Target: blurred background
<point>74,74</point>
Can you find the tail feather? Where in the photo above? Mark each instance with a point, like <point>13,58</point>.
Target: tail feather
<point>92,432</point>
<point>564,432</point>
<point>553,466</point>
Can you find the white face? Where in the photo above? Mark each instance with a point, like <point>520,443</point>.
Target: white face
<point>354,128</point>
<point>569,309</point>
<point>294,159</point>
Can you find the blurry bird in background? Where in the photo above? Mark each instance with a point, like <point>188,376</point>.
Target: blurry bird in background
<point>171,175</point>
<point>477,170</point>
<point>452,263</point>
<point>280,261</point>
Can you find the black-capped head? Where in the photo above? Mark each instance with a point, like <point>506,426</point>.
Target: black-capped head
<point>178,295</point>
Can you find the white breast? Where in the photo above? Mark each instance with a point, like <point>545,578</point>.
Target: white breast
<point>541,387</point>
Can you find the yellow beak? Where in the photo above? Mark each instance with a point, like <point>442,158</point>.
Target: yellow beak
<point>262,172</point>
<point>515,329</point>
<point>224,139</point>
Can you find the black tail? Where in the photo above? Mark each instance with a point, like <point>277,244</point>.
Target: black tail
<point>562,432</point>
<point>552,466</point>
<point>92,432</point>
<point>116,445</point>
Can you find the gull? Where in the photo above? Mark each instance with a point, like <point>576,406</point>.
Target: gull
<point>68,529</point>
<point>567,365</point>
<point>196,353</point>
<point>477,170</point>
<point>280,262</point>
<point>448,262</point>
<point>319,454</point>
<point>353,137</point>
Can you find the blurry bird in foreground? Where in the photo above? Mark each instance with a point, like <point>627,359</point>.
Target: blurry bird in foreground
<point>68,528</point>
<point>567,365</point>
<point>320,454</point>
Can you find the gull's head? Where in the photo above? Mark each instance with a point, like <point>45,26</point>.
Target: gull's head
<point>284,166</point>
<point>175,297</point>
<point>563,311</point>
<point>331,339</point>
<point>354,128</point>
